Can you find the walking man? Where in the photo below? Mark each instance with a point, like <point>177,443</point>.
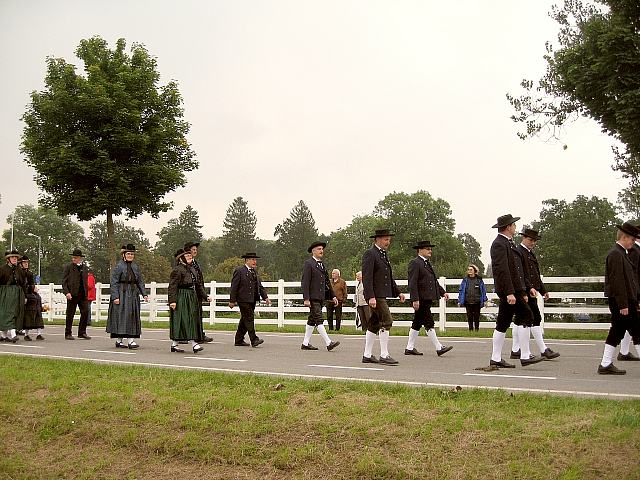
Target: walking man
<point>625,355</point>
<point>339,287</point>
<point>75,287</point>
<point>511,288</point>
<point>246,290</point>
<point>424,290</point>
<point>621,290</point>
<point>316,288</point>
<point>378,282</point>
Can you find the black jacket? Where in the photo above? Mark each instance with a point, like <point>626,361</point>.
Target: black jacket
<point>423,283</point>
<point>531,269</point>
<point>620,277</point>
<point>13,275</point>
<point>377,277</point>
<point>74,279</point>
<point>506,264</point>
<point>181,277</point>
<point>246,287</point>
<point>315,281</point>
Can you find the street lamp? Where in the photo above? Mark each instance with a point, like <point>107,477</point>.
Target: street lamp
<point>39,254</point>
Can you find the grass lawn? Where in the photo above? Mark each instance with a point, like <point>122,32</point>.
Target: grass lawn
<point>63,419</point>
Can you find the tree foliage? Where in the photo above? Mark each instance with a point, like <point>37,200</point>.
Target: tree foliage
<point>59,235</point>
<point>594,73</point>
<point>239,232</point>
<point>473,250</point>
<point>185,228</point>
<point>108,142</point>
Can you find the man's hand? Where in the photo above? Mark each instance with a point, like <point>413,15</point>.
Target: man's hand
<point>232,304</point>
<point>416,304</point>
<point>402,298</point>
<point>307,303</point>
<point>172,306</point>
<point>116,301</point>
<point>372,302</point>
<point>268,301</point>
<point>146,298</point>
<point>68,295</point>
<point>446,296</point>
<point>546,296</point>
<point>511,299</point>
<point>533,292</point>
<point>624,311</point>
<point>335,301</point>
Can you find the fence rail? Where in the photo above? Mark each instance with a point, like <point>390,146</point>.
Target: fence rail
<point>567,307</point>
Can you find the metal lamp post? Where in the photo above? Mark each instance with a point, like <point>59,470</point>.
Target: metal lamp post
<point>39,253</point>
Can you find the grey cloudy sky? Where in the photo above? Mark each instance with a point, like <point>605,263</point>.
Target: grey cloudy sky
<point>337,103</point>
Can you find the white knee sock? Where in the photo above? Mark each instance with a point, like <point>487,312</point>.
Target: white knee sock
<point>498,342</point>
<point>39,331</point>
<point>174,344</point>
<point>12,333</point>
<point>384,343</point>
<point>431,333</point>
<point>607,355</point>
<point>515,338</point>
<point>625,344</point>
<point>119,340</point>
<point>537,335</point>
<point>26,332</point>
<point>637,349</point>
<point>5,334</point>
<point>323,333</point>
<point>369,340</point>
<point>307,334</point>
<point>413,336</point>
<point>525,350</point>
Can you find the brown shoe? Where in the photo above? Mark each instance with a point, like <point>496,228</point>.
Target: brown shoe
<point>69,337</point>
<point>443,350</point>
<point>413,351</point>
<point>84,336</point>
<point>501,364</point>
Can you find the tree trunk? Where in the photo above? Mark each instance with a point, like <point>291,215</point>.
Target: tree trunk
<point>111,241</point>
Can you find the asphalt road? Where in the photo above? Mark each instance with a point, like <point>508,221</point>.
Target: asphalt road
<point>573,373</point>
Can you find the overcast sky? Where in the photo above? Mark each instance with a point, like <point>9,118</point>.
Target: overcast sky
<point>337,103</point>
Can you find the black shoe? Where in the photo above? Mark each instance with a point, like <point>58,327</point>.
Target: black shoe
<point>515,354</point>
<point>413,351</point>
<point>84,336</point>
<point>20,332</point>
<point>548,354</point>
<point>120,345</point>
<point>530,361</point>
<point>14,339</point>
<point>501,364</point>
<point>176,349</point>
<point>133,346</point>
<point>207,339</point>
<point>69,337</point>
<point>307,347</point>
<point>611,369</point>
<point>629,357</point>
<point>388,360</point>
<point>241,344</point>
<point>27,338</point>
<point>371,359</point>
<point>258,341</point>
<point>197,348</point>
<point>332,345</point>
<point>443,350</point>
<point>39,337</point>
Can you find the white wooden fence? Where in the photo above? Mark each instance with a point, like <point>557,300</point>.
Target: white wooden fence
<point>566,308</point>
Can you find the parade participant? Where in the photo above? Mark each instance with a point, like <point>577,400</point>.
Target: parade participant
<point>246,290</point>
<point>316,289</point>
<point>511,288</point>
<point>123,322</point>
<point>12,289</point>
<point>363,310</point>
<point>339,287</point>
<point>193,248</point>
<point>472,294</point>
<point>625,355</point>
<point>424,290</point>
<point>622,292</point>
<point>379,285</point>
<point>33,307</point>
<point>532,271</point>
<point>75,287</point>
<point>185,295</point>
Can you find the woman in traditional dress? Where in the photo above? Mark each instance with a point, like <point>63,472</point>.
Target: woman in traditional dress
<point>32,319</point>
<point>185,295</point>
<point>123,322</point>
<point>12,289</point>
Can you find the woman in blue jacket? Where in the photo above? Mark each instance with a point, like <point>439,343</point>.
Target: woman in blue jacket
<point>473,295</point>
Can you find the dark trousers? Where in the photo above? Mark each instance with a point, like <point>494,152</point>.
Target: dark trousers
<point>535,311</point>
<point>506,313</point>
<point>315,313</point>
<point>473,315</point>
<point>422,316</point>
<point>83,305</point>
<point>330,309</point>
<point>621,323</point>
<point>246,323</point>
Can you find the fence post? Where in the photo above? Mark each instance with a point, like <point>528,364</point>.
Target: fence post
<point>98,302</point>
<point>214,302</point>
<point>442,307</point>
<point>540,300</point>
<point>280,303</point>
<point>51,306</point>
<point>153,301</point>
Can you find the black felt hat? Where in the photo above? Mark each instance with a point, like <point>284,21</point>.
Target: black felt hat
<point>250,255</point>
<point>505,220</point>
<point>629,229</point>
<point>316,244</point>
<point>12,253</point>
<point>188,245</point>
<point>530,233</point>
<point>181,252</point>
<point>129,247</point>
<point>423,244</point>
<point>384,232</point>
<point>76,253</point>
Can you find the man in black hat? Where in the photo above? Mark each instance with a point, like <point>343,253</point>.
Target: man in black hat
<point>246,290</point>
<point>316,288</point>
<point>378,283</point>
<point>193,248</point>
<point>511,287</point>
<point>625,354</point>
<point>529,240</point>
<point>424,290</point>
<point>622,291</point>
<point>75,287</point>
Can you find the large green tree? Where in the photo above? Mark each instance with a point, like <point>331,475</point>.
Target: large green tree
<point>239,228</point>
<point>185,228</point>
<point>110,141</point>
<point>59,235</point>
<point>473,250</point>
<point>576,236</point>
<point>594,73</point>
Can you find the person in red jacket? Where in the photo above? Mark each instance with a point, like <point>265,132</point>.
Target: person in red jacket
<point>91,294</point>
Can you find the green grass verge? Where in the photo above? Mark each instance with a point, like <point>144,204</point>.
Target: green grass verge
<point>63,419</point>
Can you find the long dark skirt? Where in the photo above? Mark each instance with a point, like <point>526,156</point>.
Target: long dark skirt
<point>124,319</point>
<point>33,312</point>
<point>185,323</point>
<point>11,307</point>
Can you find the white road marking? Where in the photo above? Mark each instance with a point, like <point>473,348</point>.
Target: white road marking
<point>346,367</point>
<point>573,344</point>
<point>22,345</point>
<point>110,351</point>
<point>468,341</point>
<point>508,376</point>
<point>216,359</point>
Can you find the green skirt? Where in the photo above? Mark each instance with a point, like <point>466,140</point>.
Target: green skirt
<point>11,307</point>
<point>186,317</point>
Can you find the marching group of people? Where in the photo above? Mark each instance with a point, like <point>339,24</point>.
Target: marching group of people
<point>517,281</point>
